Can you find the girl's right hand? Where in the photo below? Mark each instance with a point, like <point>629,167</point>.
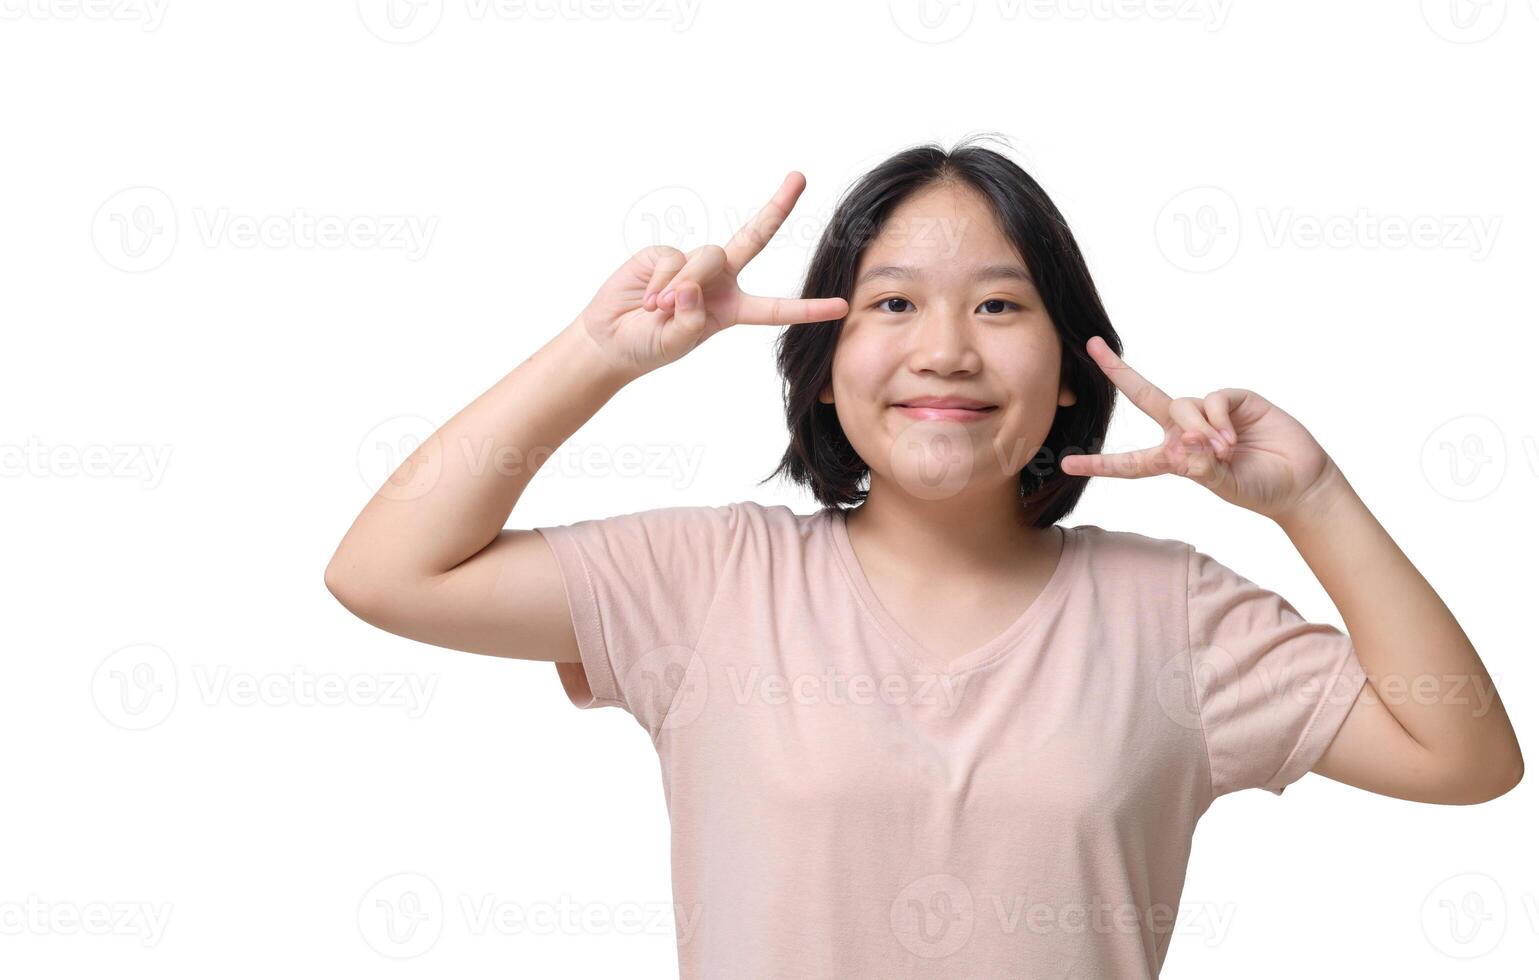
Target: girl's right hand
<point>661,304</point>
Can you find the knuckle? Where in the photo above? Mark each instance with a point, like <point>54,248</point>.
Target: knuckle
<point>661,254</point>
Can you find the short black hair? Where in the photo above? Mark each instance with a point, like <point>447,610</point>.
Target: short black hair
<point>820,456</point>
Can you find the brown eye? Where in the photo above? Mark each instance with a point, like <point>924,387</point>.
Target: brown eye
<point>1001,301</point>
<point>891,299</point>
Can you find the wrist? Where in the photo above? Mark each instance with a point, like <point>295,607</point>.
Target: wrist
<point>1315,506</point>
<point>593,360</point>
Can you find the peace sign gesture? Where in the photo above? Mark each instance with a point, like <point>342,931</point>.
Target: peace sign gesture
<point>661,304</point>
<point>1234,442</point>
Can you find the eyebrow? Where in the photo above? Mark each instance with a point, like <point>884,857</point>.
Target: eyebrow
<point>987,273</point>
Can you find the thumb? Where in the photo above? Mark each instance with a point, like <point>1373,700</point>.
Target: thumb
<point>689,313</point>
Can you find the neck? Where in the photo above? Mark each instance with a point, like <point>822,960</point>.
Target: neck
<point>985,527</point>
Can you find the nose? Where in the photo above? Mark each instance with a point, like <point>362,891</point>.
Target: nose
<point>942,342</point>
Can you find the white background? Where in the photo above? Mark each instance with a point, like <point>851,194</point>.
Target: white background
<point>193,414</point>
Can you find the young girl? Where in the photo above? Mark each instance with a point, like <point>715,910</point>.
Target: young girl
<point>927,730</point>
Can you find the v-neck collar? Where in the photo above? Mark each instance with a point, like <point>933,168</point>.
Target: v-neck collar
<point>1050,596</point>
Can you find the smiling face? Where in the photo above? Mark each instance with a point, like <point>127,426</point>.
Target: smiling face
<point>944,307</point>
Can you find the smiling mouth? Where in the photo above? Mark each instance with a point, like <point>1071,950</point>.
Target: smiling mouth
<point>952,412</point>
<point>965,408</point>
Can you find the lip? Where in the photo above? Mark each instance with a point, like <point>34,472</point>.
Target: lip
<point>944,401</point>
<point>952,409</point>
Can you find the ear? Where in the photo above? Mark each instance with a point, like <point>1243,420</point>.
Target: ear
<point>826,396</point>
<point>1066,396</point>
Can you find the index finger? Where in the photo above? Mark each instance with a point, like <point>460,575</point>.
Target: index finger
<point>1140,390</point>
<point>752,237</point>
<point>774,310</point>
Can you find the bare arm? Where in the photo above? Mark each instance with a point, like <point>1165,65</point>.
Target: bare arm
<point>429,558</point>
<point>1429,725</point>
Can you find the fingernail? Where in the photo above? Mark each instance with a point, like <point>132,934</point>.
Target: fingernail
<point>1229,434</point>
<point>1218,445</point>
<point>666,296</point>
<point>648,297</point>
<point>687,299</point>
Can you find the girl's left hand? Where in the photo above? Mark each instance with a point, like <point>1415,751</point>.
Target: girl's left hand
<point>1234,442</point>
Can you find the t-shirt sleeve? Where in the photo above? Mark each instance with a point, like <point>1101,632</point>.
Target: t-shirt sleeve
<point>639,587</point>
<point>1272,689</point>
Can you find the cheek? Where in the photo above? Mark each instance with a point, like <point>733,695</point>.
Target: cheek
<point>862,373</point>
<point>1029,370</point>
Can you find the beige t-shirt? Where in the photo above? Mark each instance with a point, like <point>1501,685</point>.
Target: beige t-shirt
<point>843,804</point>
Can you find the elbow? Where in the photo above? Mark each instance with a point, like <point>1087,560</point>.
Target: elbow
<point>1485,781</point>
<point>338,586</point>
<point>1509,773</point>
<point>347,587</point>
<point>1512,776</point>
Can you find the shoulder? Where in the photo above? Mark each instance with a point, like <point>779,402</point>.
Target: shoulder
<point>774,529</point>
<point>1115,548</point>
<point>1126,567</point>
<point>739,522</point>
